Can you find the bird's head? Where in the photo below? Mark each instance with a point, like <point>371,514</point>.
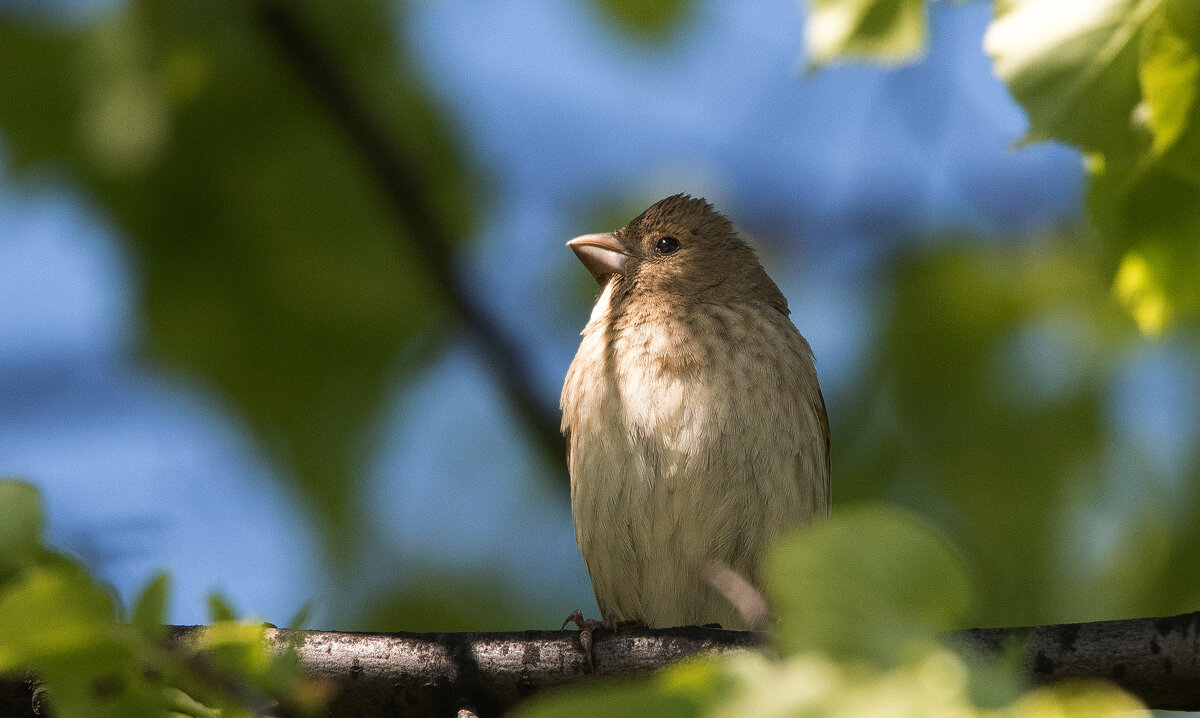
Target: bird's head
<point>679,250</point>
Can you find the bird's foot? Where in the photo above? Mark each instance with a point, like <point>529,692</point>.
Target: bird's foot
<point>587,626</point>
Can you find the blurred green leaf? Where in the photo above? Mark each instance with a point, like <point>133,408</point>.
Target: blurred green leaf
<point>997,680</point>
<point>1152,218</point>
<point>61,625</point>
<point>219,609</point>
<point>648,20</point>
<point>869,582</point>
<point>888,31</point>
<point>55,613</point>
<point>150,611</point>
<point>1151,213</point>
<point>1078,700</point>
<point>20,527</point>
<point>271,266</point>
<point>1170,73</point>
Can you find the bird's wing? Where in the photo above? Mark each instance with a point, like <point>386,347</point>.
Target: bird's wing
<point>566,432</point>
<point>823,418</point>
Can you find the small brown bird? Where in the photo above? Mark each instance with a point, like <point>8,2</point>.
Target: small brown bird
<point>695,427</point>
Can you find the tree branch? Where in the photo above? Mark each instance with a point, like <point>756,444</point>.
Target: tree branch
<point>439,674</point>
<point>403,187</point>
<point>436,674</point>
<point>1156,659</point>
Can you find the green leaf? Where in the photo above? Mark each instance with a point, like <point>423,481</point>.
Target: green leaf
<point>1170,78</point>
<point>1153,220</point>
<point>890,31</point>
<point>20,527</point>
<point>1170,72</point>
<point>150,611</point>
<point>60,624</point>
<point>219,609</point>
<point>54,614</point>
<point>868,583</point>
<point>1120,79</point>
<point>1074,68</point>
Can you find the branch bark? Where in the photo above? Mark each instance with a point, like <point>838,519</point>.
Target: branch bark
<point>1156,659</point>
<point>441,674</point>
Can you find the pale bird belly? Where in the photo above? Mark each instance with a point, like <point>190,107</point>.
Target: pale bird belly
<point>673,466</point>
<point>678,500</point>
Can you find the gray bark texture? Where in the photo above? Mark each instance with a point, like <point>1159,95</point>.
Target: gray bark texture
<point>1156,659</point>
<point>485,674</point>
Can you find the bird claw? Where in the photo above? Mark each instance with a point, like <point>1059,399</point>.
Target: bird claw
<point>586,627</point>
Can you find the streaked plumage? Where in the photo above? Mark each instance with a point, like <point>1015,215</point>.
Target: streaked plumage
<point>694,422</point>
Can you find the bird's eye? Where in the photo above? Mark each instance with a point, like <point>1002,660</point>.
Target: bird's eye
<point>666,245</point>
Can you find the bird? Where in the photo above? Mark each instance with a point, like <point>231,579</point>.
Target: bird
<point>695,427</point>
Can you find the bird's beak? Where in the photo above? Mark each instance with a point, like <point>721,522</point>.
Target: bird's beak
<point>602,254</point>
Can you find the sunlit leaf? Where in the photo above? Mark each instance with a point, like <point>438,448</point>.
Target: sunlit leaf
<point>889,31</point>
<point>54,615</point>
<point>1079,701</point>
<point>1119,79</point>
<point>61,625</point>
<point>933,682</point>
<point>1170,72</point>
<point>1141,292</point>
<point>1152,218</point>
<point>183,704</point>
<point>1074,67</point>
<point>1170,77</point>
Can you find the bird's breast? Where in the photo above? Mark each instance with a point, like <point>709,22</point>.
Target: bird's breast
<point>665,395</point>
<point>690,438</point>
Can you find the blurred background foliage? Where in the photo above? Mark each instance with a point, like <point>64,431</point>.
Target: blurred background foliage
<point>317,248</point>
<point>186,122</point>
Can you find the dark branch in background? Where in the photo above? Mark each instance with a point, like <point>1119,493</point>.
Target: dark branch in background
<point>401,184</point>
<point>439,674</point>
